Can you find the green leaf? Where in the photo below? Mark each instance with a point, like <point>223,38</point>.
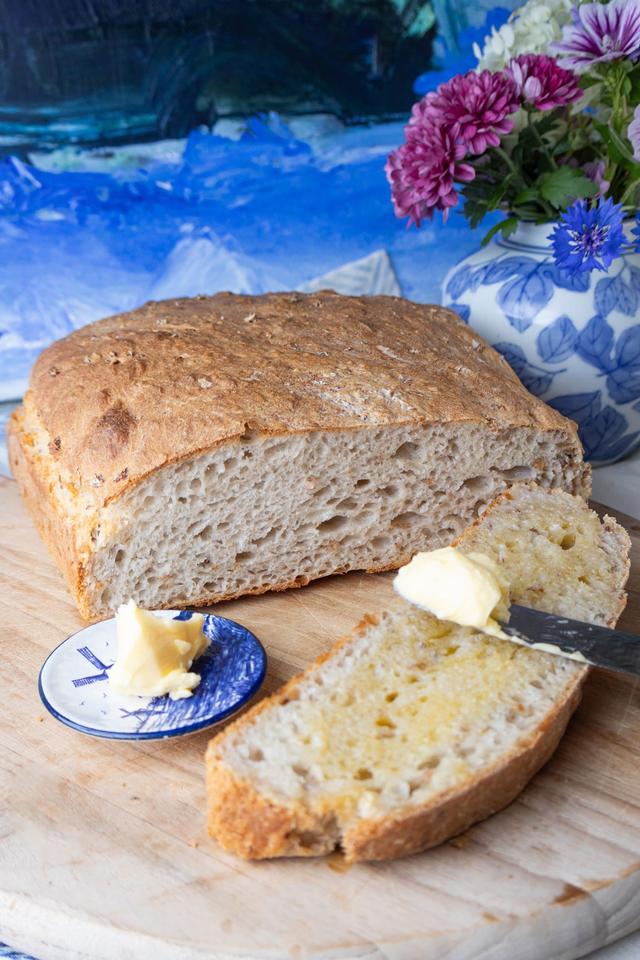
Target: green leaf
<point>527,195</point>
<point>565,184</point>
<point>498,192</point>
<point>505,227</point>
<point>618,149</point>
<point>474,207</point>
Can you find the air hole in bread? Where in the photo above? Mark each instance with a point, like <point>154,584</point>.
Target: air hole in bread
<point>205,533</point>
<point>389,491</point>
<point>273,450</point>
<point>384,721</point>
<point>406,450</point>
<point>362,483</point>
<point>196,483</point>
<point>379,542</point>
<point>119,557</point>
<point>430,763</point>
<point>363,774</point>
<point>518,473</point>
<point>256,755</point>
<point>446,534</point>
<point>244,555</point>
<point>347,504</point>
<point>390,697</point>
<point>333,524</point>
<point>568,541</point>
<point>405,519</point>
<point>478,484</point>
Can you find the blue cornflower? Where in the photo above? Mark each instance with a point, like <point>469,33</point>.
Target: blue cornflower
<point>636,233</point>
<point>589,237</point>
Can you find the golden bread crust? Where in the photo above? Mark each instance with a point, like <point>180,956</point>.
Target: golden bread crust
<point>122,397</point>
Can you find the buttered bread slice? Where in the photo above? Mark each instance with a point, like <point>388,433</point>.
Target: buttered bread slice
<point>411,729</point>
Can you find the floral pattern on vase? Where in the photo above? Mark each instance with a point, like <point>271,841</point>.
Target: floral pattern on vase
<point>574,341</point>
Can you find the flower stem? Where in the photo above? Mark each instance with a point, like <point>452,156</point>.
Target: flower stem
<point>634,185</point>
<point>545,150</point>
<point>507,159</point>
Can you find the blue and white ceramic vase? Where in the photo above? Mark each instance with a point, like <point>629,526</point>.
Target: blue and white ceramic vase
<point>574,341</point>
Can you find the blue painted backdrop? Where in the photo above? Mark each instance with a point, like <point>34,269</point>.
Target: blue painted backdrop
<point>268,202</point>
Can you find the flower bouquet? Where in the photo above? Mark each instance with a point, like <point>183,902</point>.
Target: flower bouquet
<point>547,129</point>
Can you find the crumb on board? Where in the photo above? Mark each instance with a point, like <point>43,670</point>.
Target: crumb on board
<point>461,841</point>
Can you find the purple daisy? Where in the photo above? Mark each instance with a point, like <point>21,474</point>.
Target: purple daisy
<point>423,171</point>
<point>588,237</point>
<point>634,134</point>
<point>475,107</point>
<point>600,32</point>
<point>542,82</point>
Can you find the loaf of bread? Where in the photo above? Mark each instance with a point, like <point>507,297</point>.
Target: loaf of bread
<point>196,450</point>
<point>412,729</point>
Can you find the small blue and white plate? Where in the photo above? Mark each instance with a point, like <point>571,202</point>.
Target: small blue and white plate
<point>74,685</point>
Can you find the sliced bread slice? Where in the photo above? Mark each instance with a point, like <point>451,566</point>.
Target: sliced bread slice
<point>411,729</point>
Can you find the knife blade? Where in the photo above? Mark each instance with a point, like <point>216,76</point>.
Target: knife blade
<point>585,642</point>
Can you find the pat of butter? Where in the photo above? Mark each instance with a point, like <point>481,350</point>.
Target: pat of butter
<point>155,654</point>
<point>464,588</point>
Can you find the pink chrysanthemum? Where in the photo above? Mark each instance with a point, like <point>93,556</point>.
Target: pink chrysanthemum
<point>600,32</point>
<point>634,134</point>
<point>541,82</point>
<point>423,171</point>
<point>475,107</point>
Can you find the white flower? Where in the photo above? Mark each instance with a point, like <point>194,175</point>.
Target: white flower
<point>530,29</point>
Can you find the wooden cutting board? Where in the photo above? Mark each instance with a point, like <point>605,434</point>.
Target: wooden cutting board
<point>104,853</point>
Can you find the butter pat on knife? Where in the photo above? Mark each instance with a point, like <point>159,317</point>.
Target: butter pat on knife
<point>155,654</point>
<point>466,589</point>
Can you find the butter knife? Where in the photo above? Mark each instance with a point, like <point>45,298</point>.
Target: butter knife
<point>585,642</point>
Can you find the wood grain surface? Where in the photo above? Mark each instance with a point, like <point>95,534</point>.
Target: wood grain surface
<point>104,853</point>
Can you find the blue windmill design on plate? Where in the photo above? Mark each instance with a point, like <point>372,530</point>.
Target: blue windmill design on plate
<point>231,669</point>
<point>228,669</point>
<point>102,668</point>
